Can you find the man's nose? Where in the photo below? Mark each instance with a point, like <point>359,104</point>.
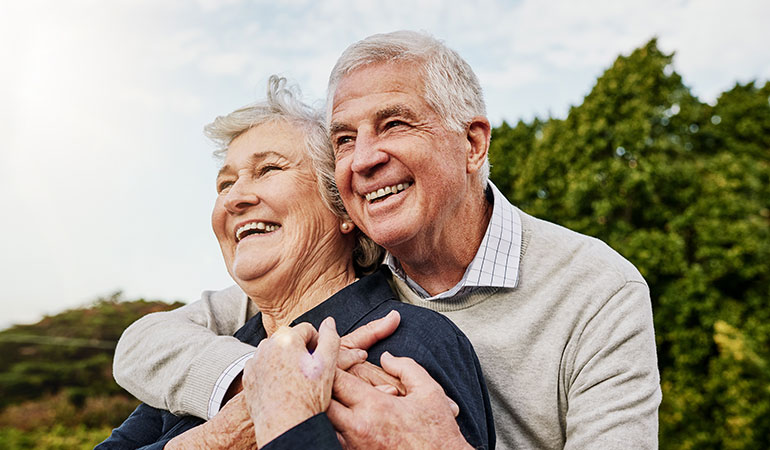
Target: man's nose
<point>241,196</point>
<point>368,154</point>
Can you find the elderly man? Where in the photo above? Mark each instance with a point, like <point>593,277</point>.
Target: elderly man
<point>561,323</point>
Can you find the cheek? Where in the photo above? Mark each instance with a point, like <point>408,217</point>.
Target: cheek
<point>342,176</point>
<point>218,220</point>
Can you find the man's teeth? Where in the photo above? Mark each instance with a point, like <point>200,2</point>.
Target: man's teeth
<point>381,192</point>
<point>260,227</point>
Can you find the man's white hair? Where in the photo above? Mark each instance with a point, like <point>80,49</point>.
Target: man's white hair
<point>450,86</point>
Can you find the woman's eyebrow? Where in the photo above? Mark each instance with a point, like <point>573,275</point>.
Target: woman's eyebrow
<point>225,169</point>
<point>254,159</point>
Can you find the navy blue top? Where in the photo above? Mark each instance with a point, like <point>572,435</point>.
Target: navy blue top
<point>423,335</point>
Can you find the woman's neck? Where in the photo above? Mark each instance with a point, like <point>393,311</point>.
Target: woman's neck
<point>301,294</point>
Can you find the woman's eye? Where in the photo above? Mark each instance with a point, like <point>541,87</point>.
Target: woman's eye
<point>268,168</point>
<point>223,186</point>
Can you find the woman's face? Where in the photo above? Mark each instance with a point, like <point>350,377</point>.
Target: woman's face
<point>269,217</point>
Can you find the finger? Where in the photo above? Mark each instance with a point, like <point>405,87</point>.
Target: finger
<point>372,332</point>
<point>349,390</point>
<point>411,374</point>
<point>328,344</point>
<point>340,416</point>
<point>349,357</point>
<point>453,406</point>
<point>374,375</point>
<point>414,377</point>
<point>387,389</point>
<point>305,331</point>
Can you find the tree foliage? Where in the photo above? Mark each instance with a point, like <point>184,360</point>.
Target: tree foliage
<point>59,370</point>
<point>682,189</point>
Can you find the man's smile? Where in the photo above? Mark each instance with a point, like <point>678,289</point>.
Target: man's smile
<point>382,193</point>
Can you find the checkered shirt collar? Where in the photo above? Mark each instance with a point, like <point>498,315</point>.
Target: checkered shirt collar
<point>496,263</point>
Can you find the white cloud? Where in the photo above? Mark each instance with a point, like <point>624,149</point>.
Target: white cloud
<point>105,172</point>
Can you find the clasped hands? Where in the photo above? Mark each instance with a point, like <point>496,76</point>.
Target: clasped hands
<point>299,372</point>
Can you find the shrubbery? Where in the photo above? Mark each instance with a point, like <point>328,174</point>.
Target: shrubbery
<point>682,189</point>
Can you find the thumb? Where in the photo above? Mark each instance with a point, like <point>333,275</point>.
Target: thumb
<point>328,343</point>
<point>414,378</point>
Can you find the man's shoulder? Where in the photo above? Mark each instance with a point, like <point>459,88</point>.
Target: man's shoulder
<point>421,326</point>
<point>547,243</point>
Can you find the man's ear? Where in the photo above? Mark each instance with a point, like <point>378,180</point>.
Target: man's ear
<point>478,135</point>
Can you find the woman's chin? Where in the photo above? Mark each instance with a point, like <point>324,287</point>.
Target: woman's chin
<point>248,271</point>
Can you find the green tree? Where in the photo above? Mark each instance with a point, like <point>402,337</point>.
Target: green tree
<point>681,189</point>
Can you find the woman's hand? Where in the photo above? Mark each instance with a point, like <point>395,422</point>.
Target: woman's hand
<point>284,383</point>
<point>230,428</point>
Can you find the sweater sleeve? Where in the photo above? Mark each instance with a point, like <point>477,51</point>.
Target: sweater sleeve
<point>172,360</point>
<point>614,387</point>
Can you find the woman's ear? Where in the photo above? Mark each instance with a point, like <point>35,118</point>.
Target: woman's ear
<point>347,227</point>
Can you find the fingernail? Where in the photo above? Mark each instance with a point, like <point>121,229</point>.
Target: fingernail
<point>329,322</point>
<point>387,355</point>
<point>362,354</point>
<point>453,406</point>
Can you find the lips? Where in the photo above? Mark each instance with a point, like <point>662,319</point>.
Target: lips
<point>255,227</point>
<point>384,192</point>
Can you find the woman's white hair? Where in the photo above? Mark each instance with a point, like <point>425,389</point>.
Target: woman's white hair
<point>450,86</point>
<point>283,103</point>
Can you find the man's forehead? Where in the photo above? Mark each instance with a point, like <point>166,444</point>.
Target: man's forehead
<point>389,88</point>
<point>396,76</point>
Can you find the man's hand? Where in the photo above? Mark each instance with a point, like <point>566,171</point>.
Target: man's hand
<point>353,346</point>
<point>367,418</point>
<point>284,383</point>
<point>230,428</point>
<point>352,357</point>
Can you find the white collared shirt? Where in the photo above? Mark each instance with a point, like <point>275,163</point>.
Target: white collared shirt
<point>496,263</point>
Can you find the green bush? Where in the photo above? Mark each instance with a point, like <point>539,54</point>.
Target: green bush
<point>55,438</point>
<point>682,189</point>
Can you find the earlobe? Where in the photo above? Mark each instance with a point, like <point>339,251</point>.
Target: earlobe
<point>346,227</point>
<point>478,135</point>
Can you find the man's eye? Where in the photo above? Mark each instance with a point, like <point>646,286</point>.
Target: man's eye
<point>394,123</point>
<point>342,140</point>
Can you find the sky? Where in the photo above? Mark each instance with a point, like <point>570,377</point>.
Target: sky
<point>107,182</point>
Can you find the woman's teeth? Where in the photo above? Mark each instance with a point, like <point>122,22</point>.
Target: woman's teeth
<point>382,192</point>
<point>255,228</point>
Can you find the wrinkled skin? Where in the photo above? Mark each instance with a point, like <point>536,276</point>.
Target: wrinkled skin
<point>425,416</point>
<point>285,384</point>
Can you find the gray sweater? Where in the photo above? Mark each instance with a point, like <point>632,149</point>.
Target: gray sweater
<point>568,355</point>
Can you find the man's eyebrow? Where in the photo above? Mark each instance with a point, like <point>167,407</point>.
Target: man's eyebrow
<point>337,127</point>
<point>382,114</point>
<point>395,110</point>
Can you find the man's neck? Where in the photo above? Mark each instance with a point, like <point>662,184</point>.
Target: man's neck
<point>438,264</point>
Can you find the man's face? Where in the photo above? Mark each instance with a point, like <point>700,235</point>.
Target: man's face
<point>386,136</point>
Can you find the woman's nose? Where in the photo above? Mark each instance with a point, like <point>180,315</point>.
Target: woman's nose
<point>241,196</point>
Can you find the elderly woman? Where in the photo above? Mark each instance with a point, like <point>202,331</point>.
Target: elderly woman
<point>289,245</point>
